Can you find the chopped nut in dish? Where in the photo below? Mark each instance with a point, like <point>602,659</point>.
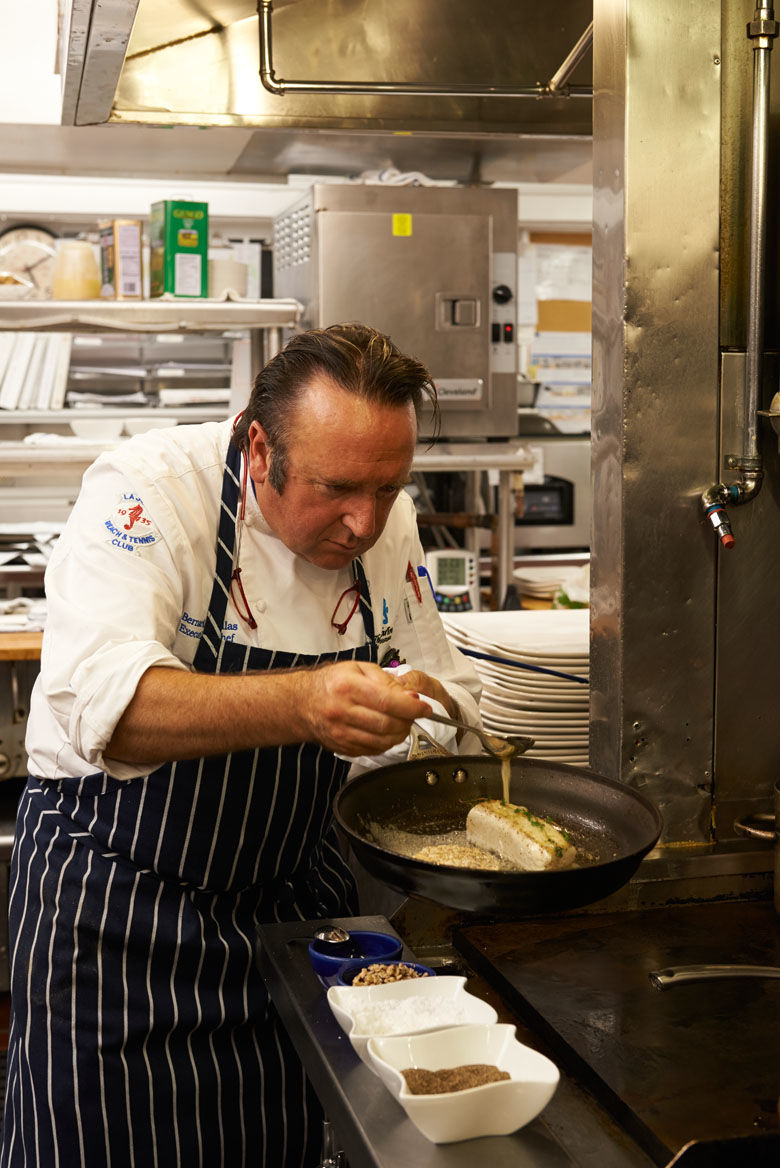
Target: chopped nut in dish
<point>380,973</point>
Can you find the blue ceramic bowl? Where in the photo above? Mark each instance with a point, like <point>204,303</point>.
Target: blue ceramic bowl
<point>376,946</point>
<point>350,969</point>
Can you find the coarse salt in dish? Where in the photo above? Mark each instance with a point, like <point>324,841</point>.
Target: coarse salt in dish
<point>407,1016</point>
<point>405,1007</point>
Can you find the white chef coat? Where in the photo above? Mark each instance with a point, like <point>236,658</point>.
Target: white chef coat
<point>129,582</point>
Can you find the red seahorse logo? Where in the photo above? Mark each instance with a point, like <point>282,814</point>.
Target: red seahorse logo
<point>134,514</point>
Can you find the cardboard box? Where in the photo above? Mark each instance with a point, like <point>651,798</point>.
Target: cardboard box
<point>178,248</point>
<point>121,271</point>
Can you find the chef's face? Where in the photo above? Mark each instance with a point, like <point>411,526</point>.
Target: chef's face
<point>347,459</point>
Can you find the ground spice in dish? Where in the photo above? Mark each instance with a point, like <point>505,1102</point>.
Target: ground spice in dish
<point>423,1082</point>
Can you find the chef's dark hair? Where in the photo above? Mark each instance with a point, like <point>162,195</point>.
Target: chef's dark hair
<point>355,357</point>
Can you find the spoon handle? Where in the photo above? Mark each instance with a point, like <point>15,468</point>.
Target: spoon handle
<point>445,721</point>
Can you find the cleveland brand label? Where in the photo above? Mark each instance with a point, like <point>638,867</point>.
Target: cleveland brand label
<point>128,526</point>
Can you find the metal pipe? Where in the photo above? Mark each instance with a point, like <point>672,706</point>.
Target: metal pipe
<point>279,87</point>
<point>561,75</point>
<point>761,30</point>
<point>506,533</point>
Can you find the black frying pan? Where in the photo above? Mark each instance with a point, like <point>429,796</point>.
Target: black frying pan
<point>612,825</point>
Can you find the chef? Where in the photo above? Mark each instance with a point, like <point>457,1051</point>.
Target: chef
<point>220,608</point>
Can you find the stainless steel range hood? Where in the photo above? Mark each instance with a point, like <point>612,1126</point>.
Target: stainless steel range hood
<point>197,62</point>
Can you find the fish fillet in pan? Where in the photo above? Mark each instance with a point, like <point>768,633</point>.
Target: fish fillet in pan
<point>517,835</point>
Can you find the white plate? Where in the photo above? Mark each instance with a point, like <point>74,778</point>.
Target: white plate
<point>497,713</point>
<point>568,673</point>
<point>498,675</point>
<point>515,662</point>
<point>554,631</point>
<point>528,678</point>
<point>446,999</point>
<point>557,703</point>
<point>581,760</point>
<point>535,654</point>
<point>535,684</point>
<point>540,732</point>
<point>515,699</point>
<point>518,701</point>
<point>552,717</point>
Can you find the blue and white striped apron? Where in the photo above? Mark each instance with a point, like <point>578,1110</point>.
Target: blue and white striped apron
<point>141,1032</point>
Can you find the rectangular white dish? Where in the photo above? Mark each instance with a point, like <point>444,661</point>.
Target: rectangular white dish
<point>405,1007</point>
<point>492,1109</point>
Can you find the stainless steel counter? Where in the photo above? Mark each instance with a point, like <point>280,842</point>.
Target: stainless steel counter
<point>372,1127</point>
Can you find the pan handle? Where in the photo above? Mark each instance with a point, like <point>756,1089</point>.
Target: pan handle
<point>748,826</point>
<point>664,979</point>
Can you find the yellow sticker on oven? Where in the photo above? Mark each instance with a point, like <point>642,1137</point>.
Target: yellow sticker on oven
<point>402,225</point>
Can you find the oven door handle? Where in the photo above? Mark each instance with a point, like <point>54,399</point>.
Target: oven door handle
<point>664,979</point>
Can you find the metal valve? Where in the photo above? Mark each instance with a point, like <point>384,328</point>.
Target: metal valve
<point>719,519</point>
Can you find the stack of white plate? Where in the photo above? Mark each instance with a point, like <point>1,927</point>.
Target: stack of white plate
<point>539,685</point>
<point>542,582</point>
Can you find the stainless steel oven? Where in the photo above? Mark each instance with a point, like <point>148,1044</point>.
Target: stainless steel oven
<point>433,267</point>
<point>556,511</point>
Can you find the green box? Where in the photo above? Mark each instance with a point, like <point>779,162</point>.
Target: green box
<point>178,248</point>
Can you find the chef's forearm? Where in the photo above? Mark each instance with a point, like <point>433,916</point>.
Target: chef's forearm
<point>176,715</point>
<point>352,708</point>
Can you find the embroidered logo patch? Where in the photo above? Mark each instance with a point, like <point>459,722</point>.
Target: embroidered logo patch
<point>128,526</point>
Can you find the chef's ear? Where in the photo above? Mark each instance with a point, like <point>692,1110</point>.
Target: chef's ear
<point>259,453</point>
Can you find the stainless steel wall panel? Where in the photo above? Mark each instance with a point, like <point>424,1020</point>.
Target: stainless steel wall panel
<point>747,741</point>
<point>656,208</point>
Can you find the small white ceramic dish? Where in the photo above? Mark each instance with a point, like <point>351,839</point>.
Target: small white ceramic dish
<point>16,289</point>
<point>405,1007</point>
<point>494,1109</point>
<point>96,429</point>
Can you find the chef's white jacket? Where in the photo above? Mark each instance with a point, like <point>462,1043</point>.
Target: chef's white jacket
<point>129,583</point>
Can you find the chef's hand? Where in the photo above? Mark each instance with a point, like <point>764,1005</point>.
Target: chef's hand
<point>427,686</point>
<point>354,708</point>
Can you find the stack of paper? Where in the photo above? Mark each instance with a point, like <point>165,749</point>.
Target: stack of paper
<point>194,396</point>
<point>79,398</point>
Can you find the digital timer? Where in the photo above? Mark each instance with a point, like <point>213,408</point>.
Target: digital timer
<point>455,579</point>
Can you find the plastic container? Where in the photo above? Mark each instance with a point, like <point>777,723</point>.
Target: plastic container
<point>76,272</point>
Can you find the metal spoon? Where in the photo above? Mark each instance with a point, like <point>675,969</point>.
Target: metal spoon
<point>498,747</point>
<point>338,940</point>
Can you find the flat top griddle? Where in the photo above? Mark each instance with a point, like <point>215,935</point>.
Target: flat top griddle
<point>696,1062</point>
